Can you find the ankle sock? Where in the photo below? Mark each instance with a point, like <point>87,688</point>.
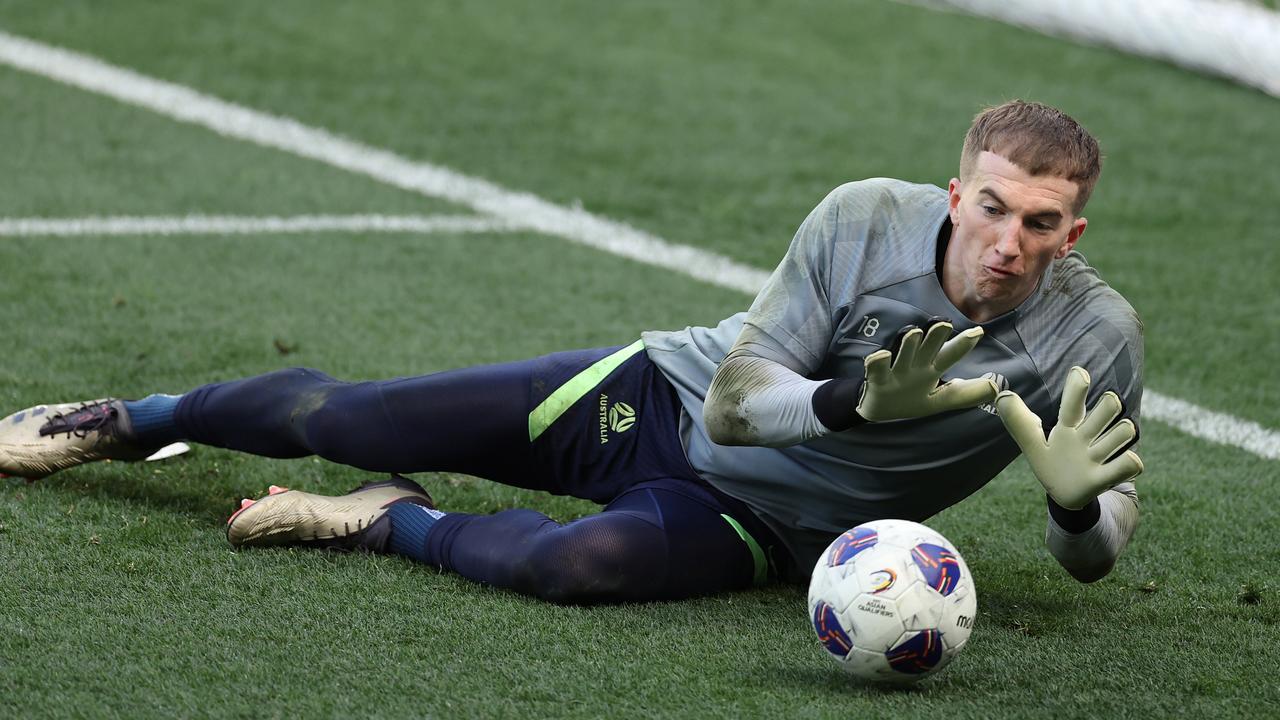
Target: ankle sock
<point>410,525</point>
<point>152,419</point>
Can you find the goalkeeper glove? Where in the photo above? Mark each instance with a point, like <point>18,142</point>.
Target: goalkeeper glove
<point>1073,463</point>
<point>907,386</point>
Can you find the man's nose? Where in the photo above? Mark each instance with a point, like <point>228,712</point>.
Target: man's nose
<point>1009,243</point>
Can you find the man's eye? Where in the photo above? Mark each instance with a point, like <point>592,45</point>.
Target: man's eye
<point>990,210</point>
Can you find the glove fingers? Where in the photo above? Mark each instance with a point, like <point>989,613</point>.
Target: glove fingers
<point>933,341</point>
<point>1126,467</point>
<point>1071,412</point>
<point>964,393</point>
<point>1103,414</point>
<point>956,348</point>
<point>876,367</point>
<point>1023,425</point>
<point>908,349</point>
<point>1121,434</point>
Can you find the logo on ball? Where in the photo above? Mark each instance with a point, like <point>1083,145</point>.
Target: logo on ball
<point>882,580</point>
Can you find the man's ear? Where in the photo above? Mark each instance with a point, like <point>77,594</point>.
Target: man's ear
<point>1073,236</point>
<point>953,202</point>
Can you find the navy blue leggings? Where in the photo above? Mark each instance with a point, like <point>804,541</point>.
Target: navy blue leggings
<point>470,421</point>
<point>657,541</point>
<point>663,534</point>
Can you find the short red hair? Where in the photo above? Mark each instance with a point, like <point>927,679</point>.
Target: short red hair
<point>1041,140</point>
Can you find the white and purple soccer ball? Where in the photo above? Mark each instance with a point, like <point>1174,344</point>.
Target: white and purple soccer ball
<point>892,601</point>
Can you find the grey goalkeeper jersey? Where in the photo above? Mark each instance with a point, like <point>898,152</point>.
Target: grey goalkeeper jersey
<point>861,267</point>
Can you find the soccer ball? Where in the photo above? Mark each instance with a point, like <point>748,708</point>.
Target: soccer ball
<point>892,601</point>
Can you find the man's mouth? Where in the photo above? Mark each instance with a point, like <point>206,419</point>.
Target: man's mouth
<point>998,272</point>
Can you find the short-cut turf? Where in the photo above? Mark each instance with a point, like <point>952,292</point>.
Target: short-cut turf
<point>709,124</point>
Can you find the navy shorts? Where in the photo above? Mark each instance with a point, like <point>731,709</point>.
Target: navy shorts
<point>611,426</point>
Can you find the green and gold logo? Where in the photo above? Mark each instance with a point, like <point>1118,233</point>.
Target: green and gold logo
<point>618,417</point>
<point>621,417</point>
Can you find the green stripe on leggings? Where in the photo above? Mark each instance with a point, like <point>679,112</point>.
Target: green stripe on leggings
<point>757,554</point>
<point>569,393</point>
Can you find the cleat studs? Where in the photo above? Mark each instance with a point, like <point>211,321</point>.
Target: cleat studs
<point>246,503</point>
<point>276,490</point>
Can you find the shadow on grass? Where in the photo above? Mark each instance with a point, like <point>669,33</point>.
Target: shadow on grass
<point>208,484</point>
<point>203,490</point>
<point>1034,613</point>
<point>832,680</point>
<point>110,487</point>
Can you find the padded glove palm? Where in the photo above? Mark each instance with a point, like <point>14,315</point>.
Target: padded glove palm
<point>1072,463</point>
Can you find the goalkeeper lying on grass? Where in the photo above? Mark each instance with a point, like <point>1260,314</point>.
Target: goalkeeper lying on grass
<point>904,351</point>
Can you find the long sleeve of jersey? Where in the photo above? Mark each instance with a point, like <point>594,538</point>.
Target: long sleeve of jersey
<point>761,393</point>
<point>756,401</point>
<point>1090,555</point>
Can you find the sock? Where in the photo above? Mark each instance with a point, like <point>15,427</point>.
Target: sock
<point>410,525</point>
<point>152,419</point>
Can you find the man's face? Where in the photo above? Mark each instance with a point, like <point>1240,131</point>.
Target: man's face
<point>1008,227</point>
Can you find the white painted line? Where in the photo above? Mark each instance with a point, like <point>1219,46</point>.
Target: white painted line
<point>1213,426</point>
<point>238,225</point>
<point>241,123</point>
<point>520,210</point>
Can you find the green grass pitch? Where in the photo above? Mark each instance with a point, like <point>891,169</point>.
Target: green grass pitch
<point>716,124</point>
